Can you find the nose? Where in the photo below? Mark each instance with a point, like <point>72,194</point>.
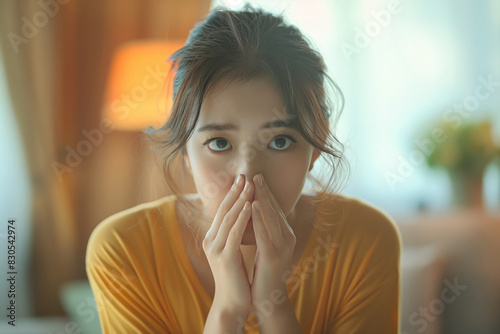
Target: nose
<point>248,164</point>
<point>249,173</point>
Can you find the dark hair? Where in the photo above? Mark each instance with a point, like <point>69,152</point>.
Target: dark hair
<point>239,46</point>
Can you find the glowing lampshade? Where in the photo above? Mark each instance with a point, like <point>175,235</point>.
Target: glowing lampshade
<point>139,88</point>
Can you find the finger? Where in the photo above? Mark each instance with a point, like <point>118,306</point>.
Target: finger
<point>269,215</point>
<point>236,233</point>
<point>286,229</point>
<point>262,236</point>
<point>231,216</point>
<point>225,206</point>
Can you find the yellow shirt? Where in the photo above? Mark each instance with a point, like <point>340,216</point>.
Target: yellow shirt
<point>346,281</point>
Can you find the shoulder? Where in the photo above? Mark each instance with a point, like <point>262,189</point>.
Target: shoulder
<point>366,275</point>
<point>128,229</point>
<point>369,218</point>
<point>358,222</point>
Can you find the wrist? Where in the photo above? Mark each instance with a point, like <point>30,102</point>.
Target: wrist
<point>230,310</point>
<point>224,319</point>
<point>275,295</point>
<point>281,319</point>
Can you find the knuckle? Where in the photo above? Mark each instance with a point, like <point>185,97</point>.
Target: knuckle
<point>222,209</point>
<point>206,244</point>
<point>233,233</point>
<point>240,214</point>
<point>225,205</point>
<point>226,219</point>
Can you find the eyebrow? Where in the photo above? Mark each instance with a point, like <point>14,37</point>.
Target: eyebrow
<point>288,123</point>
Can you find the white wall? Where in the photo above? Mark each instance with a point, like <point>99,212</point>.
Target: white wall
<point>15,203</point>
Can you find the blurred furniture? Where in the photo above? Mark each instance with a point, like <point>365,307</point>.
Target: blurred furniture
<point>422,272</point>
<point>80,305</point>
<point>468,244</point>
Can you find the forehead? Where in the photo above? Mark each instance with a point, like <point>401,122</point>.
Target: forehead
<point>257,97</point>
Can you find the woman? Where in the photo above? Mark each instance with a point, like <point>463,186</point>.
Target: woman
<point>249,252</point>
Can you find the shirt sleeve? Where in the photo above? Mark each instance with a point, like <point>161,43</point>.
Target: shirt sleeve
<point>371,303</point>
<point>122,299</point>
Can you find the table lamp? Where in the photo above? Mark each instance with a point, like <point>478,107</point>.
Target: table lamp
<point>139,87</point>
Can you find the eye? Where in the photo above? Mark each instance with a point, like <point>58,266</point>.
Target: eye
<point>217,144</point>
<point>281,143</point>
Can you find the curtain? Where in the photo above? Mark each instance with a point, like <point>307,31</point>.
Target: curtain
<point>56,56</point>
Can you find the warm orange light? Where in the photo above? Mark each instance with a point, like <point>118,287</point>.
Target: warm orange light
<point>139,91</point>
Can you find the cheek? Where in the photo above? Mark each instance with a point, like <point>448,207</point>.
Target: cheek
<point>286,182</point>
<point>212,181</point>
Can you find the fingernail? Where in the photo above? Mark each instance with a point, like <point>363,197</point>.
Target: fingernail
<point>238,179</point>
<point>257,206</point>
<point>247,186</point>
<point>260,178</point>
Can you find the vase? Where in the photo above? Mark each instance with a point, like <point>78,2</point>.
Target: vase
<point>467,190</point>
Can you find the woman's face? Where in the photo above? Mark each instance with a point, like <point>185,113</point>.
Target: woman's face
<point>241,130</point>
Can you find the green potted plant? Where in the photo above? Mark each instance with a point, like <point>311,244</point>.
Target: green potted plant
<point>465,152</point>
